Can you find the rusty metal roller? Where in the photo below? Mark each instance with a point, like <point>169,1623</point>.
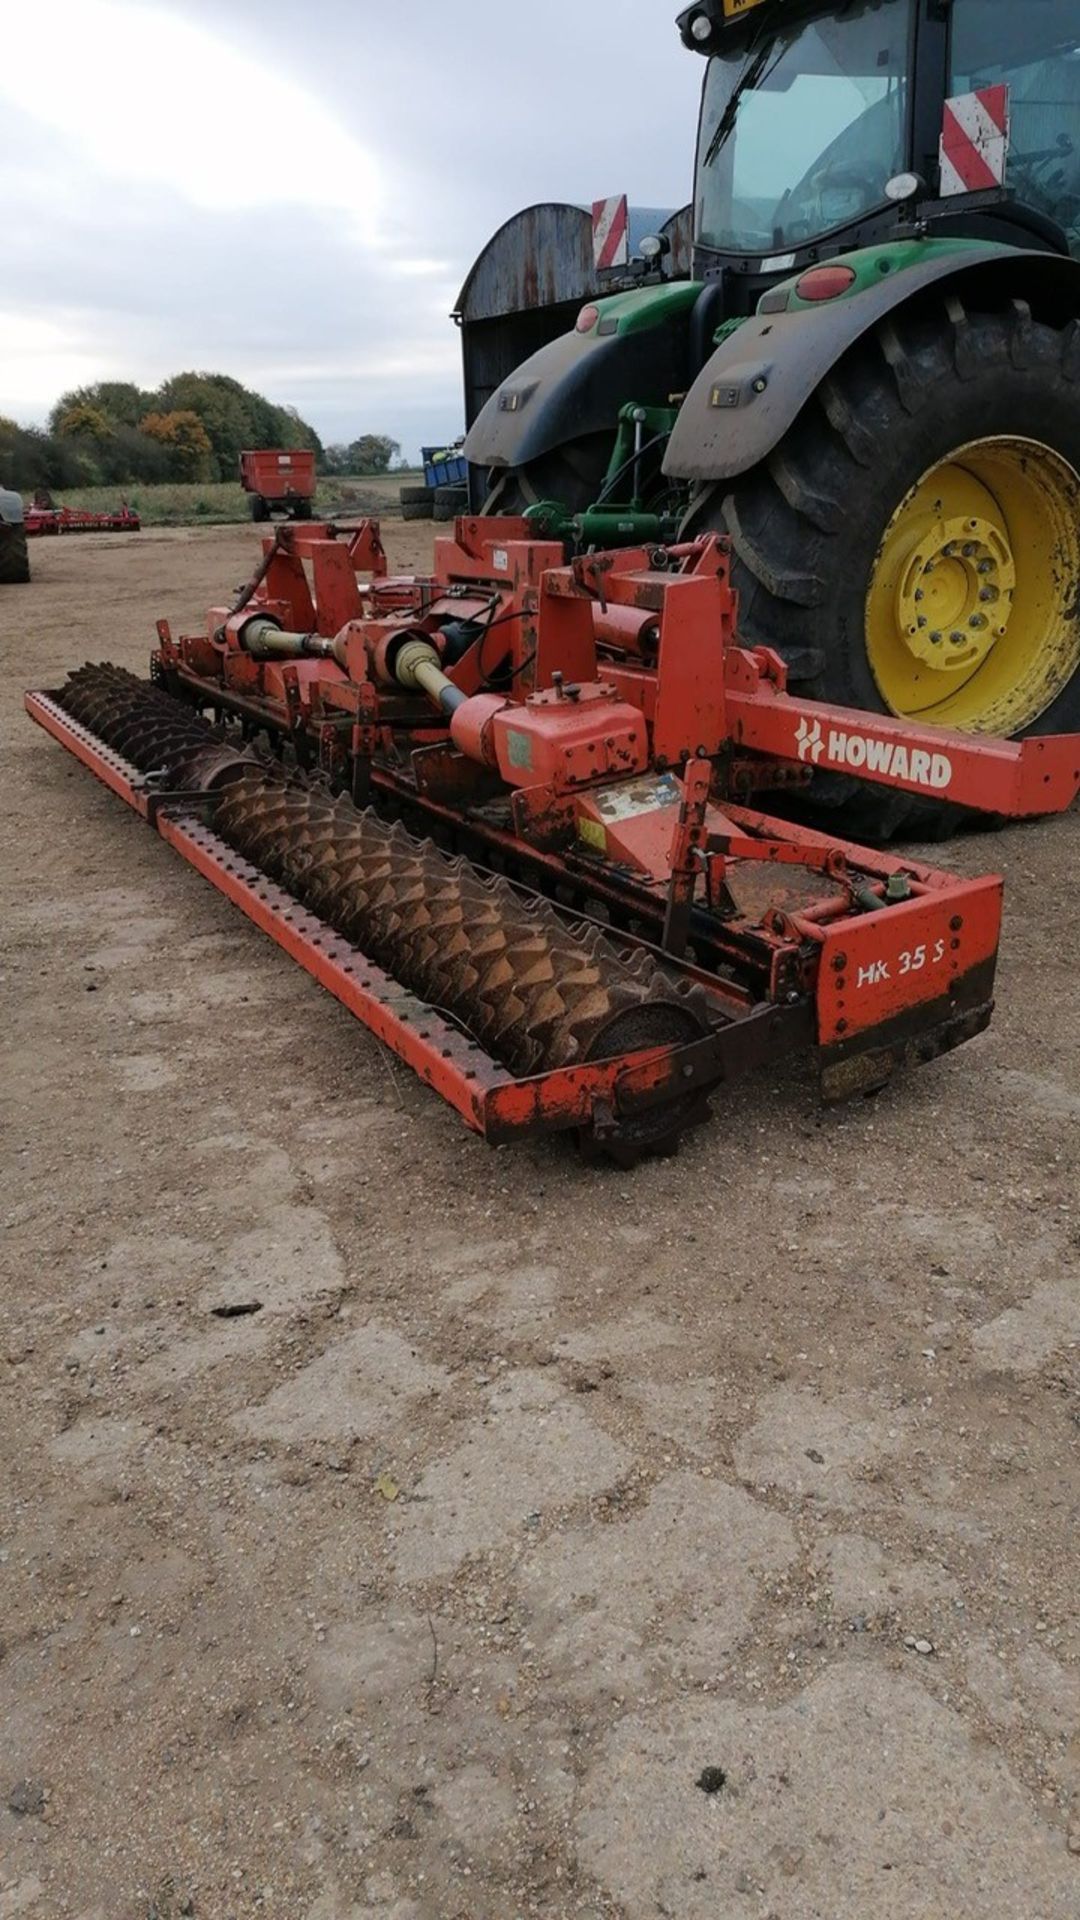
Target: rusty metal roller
<point>151,730</point>
<point>535,991</point>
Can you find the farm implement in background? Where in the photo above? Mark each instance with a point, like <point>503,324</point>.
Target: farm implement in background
<point>279,480</point>
<point>57,520</point>
<point>508,814</point>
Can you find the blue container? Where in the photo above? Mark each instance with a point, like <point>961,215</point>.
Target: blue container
<point>444,467</point>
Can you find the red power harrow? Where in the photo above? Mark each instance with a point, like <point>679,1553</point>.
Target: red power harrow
<point>500,812</point>
<point>42,520</point>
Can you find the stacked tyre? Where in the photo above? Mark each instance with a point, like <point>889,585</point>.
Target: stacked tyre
<point>433,503</point>
<point>450,501</point>
<point>417,503</point>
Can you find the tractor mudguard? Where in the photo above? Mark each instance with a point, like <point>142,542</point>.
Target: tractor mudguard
<point>575,385</point>
<point>759,379</point>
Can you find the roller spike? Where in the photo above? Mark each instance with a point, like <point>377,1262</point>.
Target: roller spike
<point>146,726</point>
<point>534,991</point>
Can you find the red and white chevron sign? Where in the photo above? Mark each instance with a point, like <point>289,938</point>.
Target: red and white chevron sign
<point>611,232</point>
<point>975,141</point>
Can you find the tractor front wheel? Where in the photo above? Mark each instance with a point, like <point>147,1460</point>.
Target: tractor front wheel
<point>912,546</point>
<point>572,474</point>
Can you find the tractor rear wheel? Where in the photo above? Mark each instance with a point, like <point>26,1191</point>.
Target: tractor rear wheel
<point>912,546</point>
<point>14,556</point>
<point>259,508</point>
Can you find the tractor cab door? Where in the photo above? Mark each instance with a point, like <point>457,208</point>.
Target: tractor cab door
<point>1033,47</point>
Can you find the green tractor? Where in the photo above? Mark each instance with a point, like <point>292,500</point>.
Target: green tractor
<point>872,382</point>
<point>14,557</point>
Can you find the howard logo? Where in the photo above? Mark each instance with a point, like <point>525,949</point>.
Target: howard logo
<point>862,754</point>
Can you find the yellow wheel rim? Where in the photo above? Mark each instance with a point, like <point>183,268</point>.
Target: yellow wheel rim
<point>973,608</point>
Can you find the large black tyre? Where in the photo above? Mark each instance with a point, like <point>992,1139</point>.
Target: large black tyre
<point>416,496</point>
<point>259,507</point>
<point>301,510</point>
<point>415,510</point>
<point>572,474</point>
<point>807,525</point>
<point>449,502</point>
<point>14,556</point>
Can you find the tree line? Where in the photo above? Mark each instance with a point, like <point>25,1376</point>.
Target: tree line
<point>192,427</point>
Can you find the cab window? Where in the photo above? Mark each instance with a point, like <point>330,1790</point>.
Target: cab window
<point>1034,47</point>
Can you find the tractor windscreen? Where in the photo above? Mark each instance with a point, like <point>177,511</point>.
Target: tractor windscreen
<point>1034,49</point>
<point>800,132</point>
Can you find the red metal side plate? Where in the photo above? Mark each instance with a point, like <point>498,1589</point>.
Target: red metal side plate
<point>885,964</point>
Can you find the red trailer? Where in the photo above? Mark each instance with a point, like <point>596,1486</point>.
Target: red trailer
<point>279,480</point>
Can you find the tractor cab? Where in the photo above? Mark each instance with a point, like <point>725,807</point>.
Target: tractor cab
<point>821,123</point>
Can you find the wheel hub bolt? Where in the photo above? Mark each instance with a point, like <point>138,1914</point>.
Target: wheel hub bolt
<point>988,593</point>
<point>936,638</point>
<point>956,637</point>
<point>970,550</point>
<point>986,566</point>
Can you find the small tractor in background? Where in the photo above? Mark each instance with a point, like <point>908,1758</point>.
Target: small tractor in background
<point>14,555</point>
<point>279,480</point>
<point>871,384</point>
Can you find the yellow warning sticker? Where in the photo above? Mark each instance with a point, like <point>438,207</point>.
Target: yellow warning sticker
<point>733,8</point>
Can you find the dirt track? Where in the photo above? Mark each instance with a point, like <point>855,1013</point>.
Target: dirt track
<point>683,1459</point>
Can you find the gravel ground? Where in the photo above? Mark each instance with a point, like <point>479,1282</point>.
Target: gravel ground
<point>698,1542</point>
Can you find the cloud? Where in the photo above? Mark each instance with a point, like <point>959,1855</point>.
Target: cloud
<point>138,91</point>
<point>211,184</point>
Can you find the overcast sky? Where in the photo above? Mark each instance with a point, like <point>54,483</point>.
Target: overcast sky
<point>294,193</point>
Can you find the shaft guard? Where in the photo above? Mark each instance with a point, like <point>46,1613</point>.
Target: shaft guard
<point>757,382</point>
